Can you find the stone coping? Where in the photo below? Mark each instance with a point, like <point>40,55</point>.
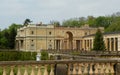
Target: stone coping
<point>44,62</point>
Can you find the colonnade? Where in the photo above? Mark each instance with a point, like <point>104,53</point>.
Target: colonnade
<point>111,44</point>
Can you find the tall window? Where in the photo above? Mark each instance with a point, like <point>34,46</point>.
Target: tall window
<point>50,33</point>
<point>32,32</point>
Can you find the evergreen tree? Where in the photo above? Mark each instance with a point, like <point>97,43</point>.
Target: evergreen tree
<point>98,42</point>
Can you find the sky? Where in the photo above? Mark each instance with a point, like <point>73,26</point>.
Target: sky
<point>16,11</point>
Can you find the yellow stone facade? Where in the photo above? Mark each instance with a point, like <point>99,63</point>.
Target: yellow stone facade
<point>37,37</point>
<point>111,41</point>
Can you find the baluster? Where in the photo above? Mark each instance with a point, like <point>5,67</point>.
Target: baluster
<point>112,68</point>
<point>91,69</point>
<point>74,69</point>
<point>96,68</point>
<point>102,68</point>
<point>79,70</point>
<point>107,68</point>
<point>25,73</point>
<point>4,70</point>
<point>45,71</point>
<point>39,70</point>
<point>11,72</point>
<point>69,69</point>
<point>32,72</point>
<point>52,70</point>
<point>18,73</point>
<point>85,68</point>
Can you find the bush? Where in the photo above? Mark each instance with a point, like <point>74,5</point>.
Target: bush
<point>15,56</point>
<point>44,55</point>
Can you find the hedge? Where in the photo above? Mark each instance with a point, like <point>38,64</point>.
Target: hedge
<point>17,56</point>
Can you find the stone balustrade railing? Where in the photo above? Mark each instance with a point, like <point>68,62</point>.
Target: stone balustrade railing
<point>86,53</point>
<point>48,67</point>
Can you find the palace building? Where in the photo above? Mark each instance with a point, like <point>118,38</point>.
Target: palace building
<point>36,37</point>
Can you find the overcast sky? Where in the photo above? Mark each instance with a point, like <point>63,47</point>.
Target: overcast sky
<point>16,11</point>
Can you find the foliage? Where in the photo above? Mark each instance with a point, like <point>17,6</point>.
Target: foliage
<point>110,23</point>
<point>98,44</point>
<point>7,37</point>
<point>55,23</point>
<point>114,26</point>
<point>15,56</point>
<point>74,22</point>
<point>44,55</point>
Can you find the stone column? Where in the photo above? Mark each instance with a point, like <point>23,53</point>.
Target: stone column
<point>92,43</point>
<point>60,44</point>
<point>83,44</point>
<point>118,44</point>
<point>74,44</point>
<point>106,43</point>
<point>110,44</point>
<point>114,43</point>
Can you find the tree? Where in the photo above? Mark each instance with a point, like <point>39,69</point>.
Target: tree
<point>74,22</point>
<point>55,23</point>
<point>7,36</point>
<point>98,41</point>
<point>27,21</point>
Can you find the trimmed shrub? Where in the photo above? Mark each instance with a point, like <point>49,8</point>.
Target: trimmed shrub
<point>44,55</point>
<point>15,56</point>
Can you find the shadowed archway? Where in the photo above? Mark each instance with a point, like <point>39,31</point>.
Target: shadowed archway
<point>68,40</point>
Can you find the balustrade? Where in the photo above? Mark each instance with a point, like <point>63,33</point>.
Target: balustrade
<point>74,67</point>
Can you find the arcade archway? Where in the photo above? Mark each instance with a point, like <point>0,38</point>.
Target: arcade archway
<point>68,41</point>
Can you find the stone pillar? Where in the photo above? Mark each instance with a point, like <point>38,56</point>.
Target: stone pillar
<point>106,43</point>
<point>83,44</point>
<point>114,43</point>
<point>74,44</point>
<point>54,44</point>
<point>61,44</point>
<point>92,43</point>
<point>119,44</point>
<point>110,44</point>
